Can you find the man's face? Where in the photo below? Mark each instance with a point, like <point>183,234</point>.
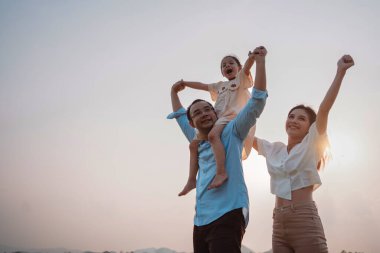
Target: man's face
<point>203,116</point>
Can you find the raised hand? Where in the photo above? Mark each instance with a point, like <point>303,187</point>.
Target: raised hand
<point>345,62</point>
<point>260,53</point>
<point>251,55</point>
<point>178,86</point>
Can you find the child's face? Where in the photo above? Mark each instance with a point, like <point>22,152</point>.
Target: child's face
<point>230,68</point>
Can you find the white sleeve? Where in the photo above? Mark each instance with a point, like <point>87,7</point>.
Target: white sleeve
<point>213,89</point>
<point>264,147</point>
<point>320,141</point>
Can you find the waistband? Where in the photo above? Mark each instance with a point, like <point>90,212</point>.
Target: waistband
<point>294,206</point>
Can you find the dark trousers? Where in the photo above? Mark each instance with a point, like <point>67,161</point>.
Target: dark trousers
<point>222,235</point>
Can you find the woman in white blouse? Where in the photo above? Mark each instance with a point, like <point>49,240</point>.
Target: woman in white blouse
<point>294,174</point>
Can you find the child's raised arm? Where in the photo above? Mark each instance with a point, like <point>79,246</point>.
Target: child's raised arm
<point>344,63</point>
<point>249,63</point>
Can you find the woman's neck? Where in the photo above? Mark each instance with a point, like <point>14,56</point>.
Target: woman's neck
<point>292,141</point>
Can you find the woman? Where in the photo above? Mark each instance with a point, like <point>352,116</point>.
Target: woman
<point>294,173</point>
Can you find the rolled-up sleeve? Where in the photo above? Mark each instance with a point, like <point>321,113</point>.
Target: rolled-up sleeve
<point>183,123</point>
<point>248,115</point>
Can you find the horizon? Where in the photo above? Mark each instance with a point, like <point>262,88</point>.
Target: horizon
<point>149,250</point>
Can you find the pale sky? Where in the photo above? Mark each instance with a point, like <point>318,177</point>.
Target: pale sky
<point>87,157</point>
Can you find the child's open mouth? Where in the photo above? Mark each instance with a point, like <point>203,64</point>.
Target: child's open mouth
<point>229,71</point>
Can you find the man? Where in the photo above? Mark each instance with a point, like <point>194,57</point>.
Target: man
<point>221,214</point>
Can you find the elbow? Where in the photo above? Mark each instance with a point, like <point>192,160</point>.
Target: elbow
<point>260,104</point>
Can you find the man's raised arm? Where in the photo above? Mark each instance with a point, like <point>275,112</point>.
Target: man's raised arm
<point>176,103</point>
<point>179,113</point>
<point>260,77</point>
<point>255,105</point>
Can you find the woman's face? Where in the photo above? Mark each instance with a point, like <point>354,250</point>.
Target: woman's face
<point>297,123</point>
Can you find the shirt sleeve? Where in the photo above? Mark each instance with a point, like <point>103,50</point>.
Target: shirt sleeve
<point>251,111</point>
<point>320,141</point>
<point>264,147</point>
<point>213,89</point>
<point>183,123</point>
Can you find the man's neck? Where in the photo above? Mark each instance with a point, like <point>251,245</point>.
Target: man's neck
<point>203,136</point>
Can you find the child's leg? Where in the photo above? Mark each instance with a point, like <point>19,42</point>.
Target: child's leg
<point>192,180</point>
<point>220,156</point>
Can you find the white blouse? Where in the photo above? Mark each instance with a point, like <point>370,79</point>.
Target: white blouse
<point>297,169</point>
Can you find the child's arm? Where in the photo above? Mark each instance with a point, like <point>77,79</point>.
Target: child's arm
<point>249,63</point>
<point>344,63</point>
<point>195,85</point>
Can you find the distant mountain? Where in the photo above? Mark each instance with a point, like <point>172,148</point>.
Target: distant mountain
<point>8,249</point>
<point>153,250</point>
<point>166,250</point>
<point>247,250</point>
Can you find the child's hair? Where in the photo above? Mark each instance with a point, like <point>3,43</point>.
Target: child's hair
<point>194,102</point>
<point>312,116</point>
<point>233,57</point>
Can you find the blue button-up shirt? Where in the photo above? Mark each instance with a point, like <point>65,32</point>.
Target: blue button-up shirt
<point>212,204</point>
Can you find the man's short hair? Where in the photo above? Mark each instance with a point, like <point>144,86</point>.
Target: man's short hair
<point>194,102</point>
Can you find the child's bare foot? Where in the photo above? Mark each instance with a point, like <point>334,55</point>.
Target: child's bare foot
<point>219,179</point>
<point>188,187</point>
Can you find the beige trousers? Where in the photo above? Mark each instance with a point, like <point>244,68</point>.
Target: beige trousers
<point>297,228</point>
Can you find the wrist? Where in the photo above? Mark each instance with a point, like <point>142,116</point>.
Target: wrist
<point>341,71</point>
<point>260,61</point>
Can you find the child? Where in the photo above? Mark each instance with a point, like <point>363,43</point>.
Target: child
<point>294,173</point>
<point>230,96</point>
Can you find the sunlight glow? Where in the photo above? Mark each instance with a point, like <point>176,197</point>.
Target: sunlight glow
<point>344,148</point>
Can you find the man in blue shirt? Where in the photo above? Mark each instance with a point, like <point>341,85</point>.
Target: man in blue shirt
<point>221,214</point>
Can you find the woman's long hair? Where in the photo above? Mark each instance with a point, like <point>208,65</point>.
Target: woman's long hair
<point>312,116</point>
